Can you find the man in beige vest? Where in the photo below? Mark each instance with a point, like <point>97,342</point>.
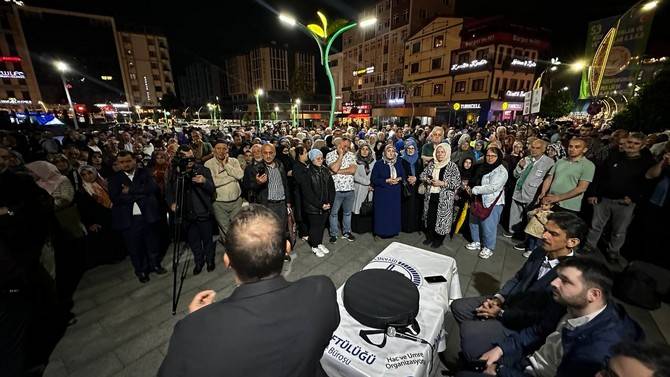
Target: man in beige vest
<point>226,173</point>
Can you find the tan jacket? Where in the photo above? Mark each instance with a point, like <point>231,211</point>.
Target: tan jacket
<point>536,221</point>
<point>226,178</point>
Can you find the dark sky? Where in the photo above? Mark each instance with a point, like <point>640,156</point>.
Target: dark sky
<point>214,29</point>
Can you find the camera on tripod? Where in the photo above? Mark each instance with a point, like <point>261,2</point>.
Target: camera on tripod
<point>181,164</point>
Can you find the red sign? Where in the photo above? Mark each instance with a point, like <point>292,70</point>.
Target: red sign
<point>10,59</point>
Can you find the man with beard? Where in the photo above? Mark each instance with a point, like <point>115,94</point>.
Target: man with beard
<point>583,340</point>
<point>524,300</point>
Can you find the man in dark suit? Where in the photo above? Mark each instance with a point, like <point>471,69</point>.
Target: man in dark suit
<point>525,299</point>
<point>135,213</point>
<point>267,326</point>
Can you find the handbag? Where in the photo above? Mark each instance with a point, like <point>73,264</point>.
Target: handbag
<point>366,206</point>
<point>478,209</point>
<point>406,189</point>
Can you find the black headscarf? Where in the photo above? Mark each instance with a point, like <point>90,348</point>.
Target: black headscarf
<point>466,174</point>
<point>485,168</point>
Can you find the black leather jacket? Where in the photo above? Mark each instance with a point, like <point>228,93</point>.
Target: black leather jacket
<point>317,189</point>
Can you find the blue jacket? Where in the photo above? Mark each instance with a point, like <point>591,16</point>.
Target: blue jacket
<point>585,349</point>
<point>143,190</point>
<point>528,300</point>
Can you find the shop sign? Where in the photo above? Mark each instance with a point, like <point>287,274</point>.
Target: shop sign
<point>396,101</point>
<point>515,93</point>
<point>14,101</point>
<point>10,59</point>
<point>364,71</point>
<point>523,63</point>
<point>466,106</point>
<point>12,75</point>
<point>471,66</point>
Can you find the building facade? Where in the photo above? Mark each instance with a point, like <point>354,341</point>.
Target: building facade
<point>373,59</point>
<point>202,82</point>
<point>18,84</point>
<point>280,72</point>
<point>493,68</point>
<point>427,67</point>
<point>146,68</point>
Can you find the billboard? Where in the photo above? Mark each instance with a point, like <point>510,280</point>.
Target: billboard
<point>614,47</point>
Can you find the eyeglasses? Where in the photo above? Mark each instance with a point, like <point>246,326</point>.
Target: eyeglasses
<point>491,155</point>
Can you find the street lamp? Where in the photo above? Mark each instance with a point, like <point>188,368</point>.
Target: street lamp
<point>650,5</point>
<point>297,110</point>
<point>137,110</point>
<point>276,111</point>
<point>324,38</point>
<point>259,92</point>
<point>578,66</point>
<point>62,67</point>
<point>565,89</point>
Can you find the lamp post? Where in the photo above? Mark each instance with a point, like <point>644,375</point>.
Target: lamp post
<point>62,68</point>
<point>297,110</point>
<point>259,92</point>
<point>276,111</point>
<point>198,113</point>
<point>324,37</point>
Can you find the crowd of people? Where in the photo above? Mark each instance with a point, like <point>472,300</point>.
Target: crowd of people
<point>93,197</point>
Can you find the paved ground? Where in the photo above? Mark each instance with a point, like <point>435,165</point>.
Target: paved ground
<point>124,326</point>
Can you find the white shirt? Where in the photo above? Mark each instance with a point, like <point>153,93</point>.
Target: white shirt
<point>549,264</point>
<point>545,361</point>
<point>136,208</point>
<point>343,182</point>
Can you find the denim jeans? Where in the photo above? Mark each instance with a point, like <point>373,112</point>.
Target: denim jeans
<point>488,228</point>
<point>344,199</point>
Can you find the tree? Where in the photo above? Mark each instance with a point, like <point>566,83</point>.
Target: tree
<point>648,112</point>
<point>298,84</point>
<point>170,102</point>
<point>556,104</point>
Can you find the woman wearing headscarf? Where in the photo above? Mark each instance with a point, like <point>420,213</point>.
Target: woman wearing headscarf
<point>95,208</point>
<point>299,169</point>
<point>442,180</point>
<point>387,177</point>
<point>510,161</point>
<point>65,168</point>
<point>411,205</point>
<point>478,150</point>
<point>67,235</point>
<point>463,150</point>
<point>556,151</point>
<point>365,161</point>
<point>487,186</point>
<point>379,149</point>
<point>318,193</point>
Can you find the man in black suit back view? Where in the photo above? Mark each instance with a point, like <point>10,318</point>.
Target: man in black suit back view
<point>524,300</point>
<point>267,326</point>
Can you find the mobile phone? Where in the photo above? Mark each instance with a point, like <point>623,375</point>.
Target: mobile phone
<point>436,279</point>
<point>477,365</point>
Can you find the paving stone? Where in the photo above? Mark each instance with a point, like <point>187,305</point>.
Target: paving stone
<point>104,366</point>
<point>142,344</point>
<point>55,368</point>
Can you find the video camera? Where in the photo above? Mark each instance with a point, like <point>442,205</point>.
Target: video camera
<point>181,164</point>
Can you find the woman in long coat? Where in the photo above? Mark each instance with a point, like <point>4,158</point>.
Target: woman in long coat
<point>442,179</point>
<point>365,161</point>
<point>387,177</point>
<point>411,205</point>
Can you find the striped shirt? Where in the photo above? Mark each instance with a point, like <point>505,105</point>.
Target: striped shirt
<point>275,184</point>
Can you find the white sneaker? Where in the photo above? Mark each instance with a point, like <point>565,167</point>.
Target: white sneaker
<point>317,252</point>
<point>527,253</point>
<point>323,249</point>
<point>305,238</point>
<point>473,246</point>
<point>486,253</point>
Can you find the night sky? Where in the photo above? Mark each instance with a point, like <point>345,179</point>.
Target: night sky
<point>215,29</point>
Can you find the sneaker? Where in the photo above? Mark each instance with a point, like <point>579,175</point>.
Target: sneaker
<point>521,246</point>
<point>486,253</point>
<point>473,246</point>
<point>349,236</point>
<point>332,239</point>
<point>317,252</point>
<point>527,253</point>
<point>508,235</point>
<point>304,238</point>
<point>323,249</point>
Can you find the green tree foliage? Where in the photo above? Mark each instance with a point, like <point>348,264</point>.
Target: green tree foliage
<point>556,104</point>
<point>649,111</point>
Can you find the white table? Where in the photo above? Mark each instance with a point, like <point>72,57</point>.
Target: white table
<point>348,355</point>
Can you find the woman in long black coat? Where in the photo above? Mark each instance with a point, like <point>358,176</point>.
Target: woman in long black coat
<point>411,205</point>
<point>95,209</point>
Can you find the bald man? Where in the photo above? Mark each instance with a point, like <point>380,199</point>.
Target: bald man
<point>529,173</point>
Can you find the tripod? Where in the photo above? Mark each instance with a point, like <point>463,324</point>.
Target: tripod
<point>176,247</point>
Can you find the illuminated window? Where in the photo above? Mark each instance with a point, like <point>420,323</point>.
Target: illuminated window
<point>438,41</point>
<point>460,87</point>
<point>438,89</point>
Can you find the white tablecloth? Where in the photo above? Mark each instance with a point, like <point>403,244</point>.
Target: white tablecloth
<point>349,355</point>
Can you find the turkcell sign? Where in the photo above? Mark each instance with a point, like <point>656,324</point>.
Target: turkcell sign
<point>12,75</point>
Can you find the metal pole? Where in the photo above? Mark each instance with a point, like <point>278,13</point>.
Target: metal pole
<point>69,101</point>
